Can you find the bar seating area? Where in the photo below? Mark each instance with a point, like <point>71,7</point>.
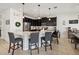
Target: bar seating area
<point>33,41</point>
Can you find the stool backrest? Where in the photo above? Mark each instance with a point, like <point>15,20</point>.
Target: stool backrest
<point>34,38</point>
<point>11,37</point>
<point>48,36</point>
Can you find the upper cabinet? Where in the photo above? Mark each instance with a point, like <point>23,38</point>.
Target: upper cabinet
<point>42,22</point>
<point>34,22</point>
<point>46,22</point>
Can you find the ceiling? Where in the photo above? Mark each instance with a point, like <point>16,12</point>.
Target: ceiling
<point>32,9</point>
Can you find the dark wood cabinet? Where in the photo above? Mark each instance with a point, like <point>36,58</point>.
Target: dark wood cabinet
<point>34,22</point>
<point>38,22</point>
<point>46,22</point>
<point>41,22</point>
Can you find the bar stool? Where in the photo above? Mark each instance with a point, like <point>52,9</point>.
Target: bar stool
<point>14,42</point>
<point>47,39</point>
<point>76,42</point>
<point>56,35</point>
<point>34,41</point>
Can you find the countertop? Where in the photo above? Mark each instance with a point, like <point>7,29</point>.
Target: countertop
<point>29,32</point>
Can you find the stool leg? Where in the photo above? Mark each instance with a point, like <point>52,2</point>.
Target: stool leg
<point>41,42</point>
<point>17,44</point>
<point>13,49</point>
<point>22,45</point>
<point>57,41</point>
<point>30,50</point>
<point>38,50</point>
<point>9,47</point>
<point>37,46</point>
<point>71,40</point>
<point>50,45</point>
<point>75,45</point>
<point>45,46</point>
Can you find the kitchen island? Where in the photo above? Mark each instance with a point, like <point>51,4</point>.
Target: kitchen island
<point>26,35</point>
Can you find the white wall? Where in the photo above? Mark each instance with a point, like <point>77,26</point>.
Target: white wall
<point>13,15</point>
<point>5,15</point>
<point>16,16</point>
<point>66,17</point>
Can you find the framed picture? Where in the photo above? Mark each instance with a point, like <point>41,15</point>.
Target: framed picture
<point>7,22</point>
<point>73,21</point>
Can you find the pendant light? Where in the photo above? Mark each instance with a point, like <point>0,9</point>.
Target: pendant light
<point>39,12</point>
<point>23,9</point>
<point>49,14</point>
